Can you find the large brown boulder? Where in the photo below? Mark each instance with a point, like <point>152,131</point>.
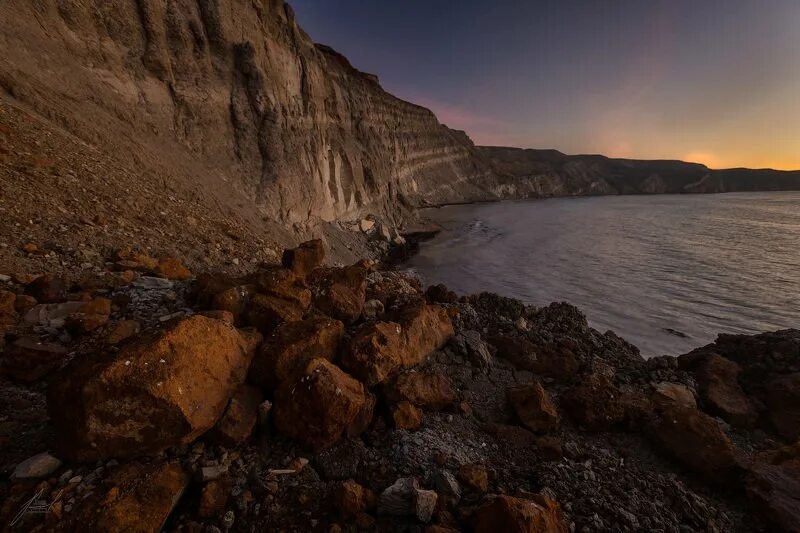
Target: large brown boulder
<point>516,515</point>
<point>720,392</point>
<point>239,418</point>
<point>381,349</point>
<point>775,489</point>
<point>595,402</point>
<point>291,346</point>
<point>281,297</point>
<point>533,407</point>
<point>429,391</point>
<point>783,404</point>
<point>47,289</point>
<point>321,405</point>
<point>553,359</point>
<point>341,292</point>
<point>696,440</point>
<point>162,390</point>
<point>305,258</point>
<point>136,498</point>
<point>28,359</point>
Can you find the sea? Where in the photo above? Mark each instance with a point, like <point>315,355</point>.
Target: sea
<point>666,272</point>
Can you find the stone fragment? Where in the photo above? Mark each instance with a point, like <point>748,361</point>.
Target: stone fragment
<point>280,298</point>
<point>28,359</point>
<point>475,477</point>
<point>447,487</point>
<point>406,416</point>
<point>696,440</point>
<point>47,289</point>
<point>372,309</point>
<point>89,316</point>
<point>352,499</point>
<point>424,504</point>
<point>666,393</point>
<point>556,360</point>
<point>516,515</point>
<point>305,258</point>
<point>468,344</point>
<point>122,331</point>
<point>39,466</point>
<point>136,496</point>
<point>783,404</point>
<point>24,303</point>
<point>366,225</point>
<point>720,392</point>
<point>291,346</point>
<point>127,259</point>
<point>533,407</point>
<point>239,418</point>
<point>440,294</point>
<point>8,310</point>
<point>214,497</point>
<point>341,292</point>
<point>398,498</point>
<point>210,473</point>
<point>381,349</point>
<point>322,404</point>
<point>426,390</point>
<point>165,389</point>
<point>171,268</point>
<point>595,403</point>
<point>775,490</point>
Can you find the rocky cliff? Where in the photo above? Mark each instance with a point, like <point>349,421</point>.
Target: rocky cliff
<point>535,173</point>
<point>236,91</point>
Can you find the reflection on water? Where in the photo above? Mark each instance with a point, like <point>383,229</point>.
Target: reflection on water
<point>666,272</point>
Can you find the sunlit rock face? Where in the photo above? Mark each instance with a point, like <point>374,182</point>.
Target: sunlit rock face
<point>239,88</point>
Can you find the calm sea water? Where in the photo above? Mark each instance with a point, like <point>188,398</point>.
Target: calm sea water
<point>666,272</point>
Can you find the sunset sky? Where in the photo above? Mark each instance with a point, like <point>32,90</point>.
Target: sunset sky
<point>713,81</point>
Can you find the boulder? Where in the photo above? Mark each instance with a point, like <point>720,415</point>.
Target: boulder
<point>666,393</point>
<point>165,389</point>
<point>214,497</point>
<point>28,359</point>
<point>171,268</point>
<point>406,498</point>
<point>783,404</point>
<point>432,392</point>
<point>440,294</point>
<point>8,310</point>
<point>127,259</point>
<point>775,490</point>
<point>47,289</point>
<point>136,497</point>
<point>281,298</point>
<point>305,258</point>
<point>341,292</point>
<point>352,499</point>
<point>448,488</point>
<point>89,316</point>
<point>239,418</point>
<point>321,405</point>
<point>516,515</point>
<point>696,440</point>
<point>406,416</point>
<point>469,345</point>
<point>556,360</point>
<point>122,331</point>
<point>720,392</point>
<point>379,350</point>
<point>533,407</point>
<point>425,504</point>
<point>291,346</point>
<point>39,466</point>
<point>475,477</point>
<point>595,403</point>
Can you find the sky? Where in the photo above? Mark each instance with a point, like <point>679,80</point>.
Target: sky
<point>712,81</point>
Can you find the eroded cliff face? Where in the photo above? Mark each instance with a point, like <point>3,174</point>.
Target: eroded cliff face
<point>234,90</point>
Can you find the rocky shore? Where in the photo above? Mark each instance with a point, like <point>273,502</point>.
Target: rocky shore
<point>304,397</point>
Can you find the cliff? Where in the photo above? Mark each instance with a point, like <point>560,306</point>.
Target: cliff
<point>535,173</point>
<point>235,91</point>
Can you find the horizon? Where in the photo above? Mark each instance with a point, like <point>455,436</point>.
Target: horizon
<point>710,84</point>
